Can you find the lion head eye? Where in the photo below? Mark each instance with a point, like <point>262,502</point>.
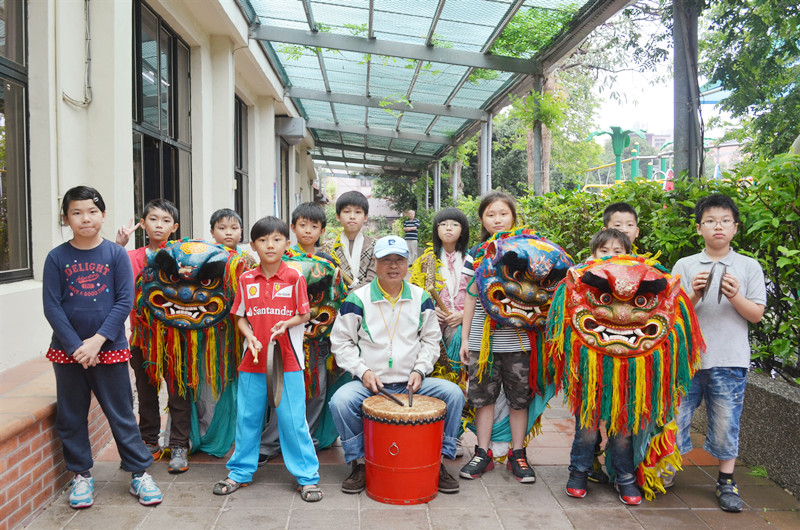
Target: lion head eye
<point>206,282</point>
<point>605,298</point>
<point>174,278</point>
<point>640,301</point>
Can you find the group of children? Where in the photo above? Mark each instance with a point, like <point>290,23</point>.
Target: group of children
<point>88,293</point>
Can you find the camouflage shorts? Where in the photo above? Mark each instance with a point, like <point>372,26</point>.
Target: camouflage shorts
<point>510,369</point>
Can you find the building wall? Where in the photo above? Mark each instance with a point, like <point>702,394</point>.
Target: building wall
<point>92,145</point>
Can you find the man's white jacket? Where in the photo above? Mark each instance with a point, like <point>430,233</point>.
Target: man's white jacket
<point>368,332</point>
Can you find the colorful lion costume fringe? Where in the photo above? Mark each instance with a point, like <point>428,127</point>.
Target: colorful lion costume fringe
<point>516,274</point>
<point>183,302</point>
<point>623,341</point>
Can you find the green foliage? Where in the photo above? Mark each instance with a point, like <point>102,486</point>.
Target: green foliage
<point>769,232</point>
<point>548,108</point>
<point>532,29</point>
<point>758,471</point>
<point>753,50</point>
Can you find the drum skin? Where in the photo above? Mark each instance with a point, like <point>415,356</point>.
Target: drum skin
<point>403,448</point>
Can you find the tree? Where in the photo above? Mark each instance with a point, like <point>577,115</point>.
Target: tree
<point>753,48</point>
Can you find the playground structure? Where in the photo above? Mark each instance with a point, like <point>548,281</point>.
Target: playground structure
<point>597,179</point>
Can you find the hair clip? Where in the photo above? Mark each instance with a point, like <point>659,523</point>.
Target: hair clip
<point>95,198</point>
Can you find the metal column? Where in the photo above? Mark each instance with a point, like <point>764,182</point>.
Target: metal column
<point>538,162</point>
<point>437,186</point>
<point>486,156</point>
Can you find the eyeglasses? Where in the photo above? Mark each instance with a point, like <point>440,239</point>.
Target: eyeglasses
<point>725,223</point>
<point>449,224</point>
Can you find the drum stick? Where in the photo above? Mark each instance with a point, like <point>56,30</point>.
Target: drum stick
<point>390,396</point>
<point>410,397</point>
<point>439,301</point>
<point>347,279</point>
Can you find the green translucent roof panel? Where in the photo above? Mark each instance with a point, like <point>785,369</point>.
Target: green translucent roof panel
<point>346,61</point>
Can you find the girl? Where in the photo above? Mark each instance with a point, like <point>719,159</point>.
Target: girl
<point>88,294</point>
<point>498,213</point>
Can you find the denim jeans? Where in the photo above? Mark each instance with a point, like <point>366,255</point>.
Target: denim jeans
<point>723,391</point>
<point>346,410</point>
<point>619,449</point>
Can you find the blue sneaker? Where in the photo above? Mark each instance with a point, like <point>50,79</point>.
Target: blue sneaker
<point>147,491</point>
<point>82,494</point>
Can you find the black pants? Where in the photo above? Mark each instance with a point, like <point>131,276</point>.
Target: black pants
<point>112,386</point>
<point>180,408</point>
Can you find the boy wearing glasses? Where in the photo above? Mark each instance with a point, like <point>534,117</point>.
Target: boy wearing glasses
<point>728,291</point>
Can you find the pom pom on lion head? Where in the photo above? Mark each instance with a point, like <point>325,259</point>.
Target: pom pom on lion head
<point>624,341</point>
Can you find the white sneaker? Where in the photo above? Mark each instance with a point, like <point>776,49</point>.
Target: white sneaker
<point>668,476</point>
<point>82,493</point>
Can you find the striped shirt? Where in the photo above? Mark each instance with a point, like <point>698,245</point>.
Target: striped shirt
<point>412,234</point>
<point>504,339</point>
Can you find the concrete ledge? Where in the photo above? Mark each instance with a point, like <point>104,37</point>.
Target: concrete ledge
<point>770,429</point>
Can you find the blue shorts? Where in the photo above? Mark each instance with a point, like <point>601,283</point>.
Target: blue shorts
<point>722,388</point>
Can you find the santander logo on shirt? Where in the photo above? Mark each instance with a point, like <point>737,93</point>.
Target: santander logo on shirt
<point>284,312</point>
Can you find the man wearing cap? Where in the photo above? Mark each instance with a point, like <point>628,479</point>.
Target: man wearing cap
<point>387,335</point>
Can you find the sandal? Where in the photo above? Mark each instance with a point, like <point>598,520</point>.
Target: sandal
<point>310,492</point>
<point>228,486</point>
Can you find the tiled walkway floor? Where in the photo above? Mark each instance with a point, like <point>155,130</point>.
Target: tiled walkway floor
<point>494,501</point>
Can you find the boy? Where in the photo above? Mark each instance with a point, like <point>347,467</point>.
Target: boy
<point>411,229</point>
<point>160,221</point>
<point>716,271</point>
<point>226,230</point>
<point>584,464</point>
<point>308,225</point>
<point>622,216</point>
<point>272,304</point>
<point>351,250</point>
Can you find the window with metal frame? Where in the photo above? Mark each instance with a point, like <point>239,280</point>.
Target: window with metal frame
<point>15,238</point>
<point>240,172</point>
<point>162,143</point>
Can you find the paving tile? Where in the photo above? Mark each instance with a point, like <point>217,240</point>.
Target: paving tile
<point>108,494</point>
<point>197,473</point>
<point>267,519</point>
<point>654,518</point>
<point>744,478</point>
<point>552,475</point>
<point>327,518</point>
<point>259,496</point>
<point>536,496</point>
<point>412,519</point>
<point>330,474</point>
<point>601,518</point>
<point>472,493</point>
<point>692,475</point>
<point>782,519</point>
<point>719,520</point>
<point>515,516</point>
<point>696,496</point>
<point>57,515</point>
<point>770,497</point>
<point>191,495</point>
<point>665,500</point>
<point>461,519</point>
<point>598,496</point>
<point>549,456</point>
<point>186,518</point>
<point>111,516</point>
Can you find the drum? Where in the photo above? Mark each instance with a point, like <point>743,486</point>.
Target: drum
<point>403,448</point>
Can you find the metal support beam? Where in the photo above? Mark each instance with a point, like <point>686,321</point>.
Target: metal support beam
<point>485,175</point>
<point>538,155</point>
<point>367,101</point>
<point>365,162</point>
<point>373,151</point>
<point>437,186</point>
<point>375,170</point>
<point>455,178</point>
<point>590,16</point>
<point>388,48</point>
<point>375,131</point>
<point>688,144</point>
<point>427,190</point>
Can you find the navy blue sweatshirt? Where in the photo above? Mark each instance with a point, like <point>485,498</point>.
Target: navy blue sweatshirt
<point>87,292</point>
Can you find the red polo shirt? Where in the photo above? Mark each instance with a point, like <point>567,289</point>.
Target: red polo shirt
<point>267,301</point>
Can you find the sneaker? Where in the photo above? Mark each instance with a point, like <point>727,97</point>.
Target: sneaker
<point>262,459</point>
<point>154,449</point>
<point>82,493</point>
<point>179,461</point>
<point>629,494</point>
<point>518,464</point>
<point>357,480</point>
<point>447,482</point>
<point>596,474</point>
<point>480,464</point>
<point>144,488</point>
<point>668,476</point>
<point>576,485</point>
<point>728,495</point>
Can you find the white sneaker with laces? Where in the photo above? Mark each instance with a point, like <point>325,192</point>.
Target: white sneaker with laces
<point>145,488</point>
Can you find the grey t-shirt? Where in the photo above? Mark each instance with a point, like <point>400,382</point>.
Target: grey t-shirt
<point>724,329</point>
